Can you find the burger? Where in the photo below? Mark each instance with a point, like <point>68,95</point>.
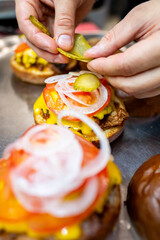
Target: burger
<point>143,200</point>
<point>56,185</point>
<point>87,93</point>
<point>31,68</point>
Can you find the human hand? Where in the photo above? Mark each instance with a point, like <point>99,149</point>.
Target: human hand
<point>59,16</point>
<point>137,70</point>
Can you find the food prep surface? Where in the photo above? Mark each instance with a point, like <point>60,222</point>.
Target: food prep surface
<point>139,141</point>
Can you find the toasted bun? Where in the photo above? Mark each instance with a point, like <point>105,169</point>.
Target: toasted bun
<point>96,227</point>
<point>31,75</point>
<point>143,200</point>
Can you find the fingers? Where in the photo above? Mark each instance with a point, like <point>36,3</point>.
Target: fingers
<point>65,23</point>
<point>38,39</point>
<point>149,94</point>
<point>52,58</point>
<point>123,33</point>
<point>140,57</point>
<point>138,84</point>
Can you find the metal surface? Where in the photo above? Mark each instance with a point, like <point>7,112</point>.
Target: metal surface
<point>140,140</point>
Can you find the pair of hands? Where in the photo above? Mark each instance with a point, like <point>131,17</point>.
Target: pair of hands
<point>135,71</point>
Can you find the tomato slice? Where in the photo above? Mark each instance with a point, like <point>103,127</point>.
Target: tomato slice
<point>21,48</point>
<point>10,208</point>
<point>56,105</point>
<point>106,103</point>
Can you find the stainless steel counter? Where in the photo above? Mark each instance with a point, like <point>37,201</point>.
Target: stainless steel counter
<point>140,140</point>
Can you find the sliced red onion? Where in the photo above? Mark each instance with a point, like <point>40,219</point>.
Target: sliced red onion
<point>100,101</point>
<point>72,74</point>
<point>56,78</point>
<point>55,141</point>
<point>101,160</point>
<point>44,178</point>
<point>64,86</point>
<point>62,208</point>
<point>66,166</point>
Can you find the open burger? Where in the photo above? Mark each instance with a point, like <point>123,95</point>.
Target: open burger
<point>100,104</point>
<point>56,184</point>
<point>31,68</point>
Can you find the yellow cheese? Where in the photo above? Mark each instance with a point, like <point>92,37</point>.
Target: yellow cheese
<point>69,233</point>
<point>41,61</point>
<point>107,110</point>
<point>115,178</point>
<point>14,227</point>
<point>29,58</point>
<point>19,57</point>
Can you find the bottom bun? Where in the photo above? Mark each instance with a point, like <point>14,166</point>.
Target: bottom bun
<point>95,227</point>
<point>143,200</point>
<point>31,75</point>
<point>112,134</point>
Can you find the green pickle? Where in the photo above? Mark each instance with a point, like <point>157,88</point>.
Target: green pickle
<point>77,52</point>
<point>87,82</point>
<point>39,25</point>
<point>80,43</point>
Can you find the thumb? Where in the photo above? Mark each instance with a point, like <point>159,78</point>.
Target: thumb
<point>120,35</point>
<point>64,26</point>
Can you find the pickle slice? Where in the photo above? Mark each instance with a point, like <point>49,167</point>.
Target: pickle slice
<point>39,25</point>
<point>77,52</point>
<point>87,82</point>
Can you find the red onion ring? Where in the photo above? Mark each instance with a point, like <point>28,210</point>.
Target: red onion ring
<point>100,101</point>
<point>101,160</point>
<point>61,208</point>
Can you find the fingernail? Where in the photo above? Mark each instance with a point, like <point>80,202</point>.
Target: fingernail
<point>65,42</point>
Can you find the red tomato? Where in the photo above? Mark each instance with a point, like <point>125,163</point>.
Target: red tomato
<point>54,106</point>
<point>58,105</point>
<point>21,48</point>
<point>10,208</point>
